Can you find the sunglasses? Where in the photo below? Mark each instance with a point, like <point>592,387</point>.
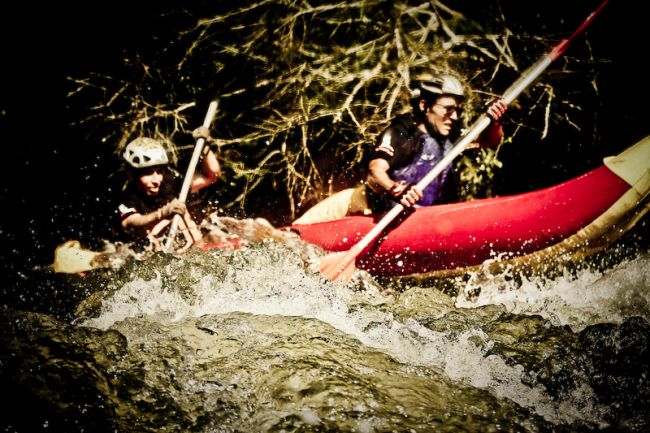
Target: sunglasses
<point>451,109</point>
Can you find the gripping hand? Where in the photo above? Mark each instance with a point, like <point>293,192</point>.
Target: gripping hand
<point>406,193</point>
<point>174,207</point>
<point>496,109</point>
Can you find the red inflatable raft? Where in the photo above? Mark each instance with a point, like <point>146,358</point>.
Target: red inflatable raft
<point>459,235</point>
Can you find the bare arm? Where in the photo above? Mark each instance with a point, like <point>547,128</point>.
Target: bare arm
<point>379,181</point>
<point>210,169</point>
<point>137,222</point>
<point>210,172</point>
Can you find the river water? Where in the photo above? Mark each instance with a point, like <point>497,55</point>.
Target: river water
<point>251,340</point>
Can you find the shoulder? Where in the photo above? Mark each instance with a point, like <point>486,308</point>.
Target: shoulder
<point>405,131</point>
<point>170,186</point>
<point>403,126</point>
<point>172,177</point>
<point>397,135</point>
<point>129,203</point>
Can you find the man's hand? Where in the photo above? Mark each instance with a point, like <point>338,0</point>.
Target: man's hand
<point>496,109</point>
<point>174,207</point>
<point>405,193</point>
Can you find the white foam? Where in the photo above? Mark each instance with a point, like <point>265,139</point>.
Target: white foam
<point>265,286</point>
<point>588,298</point>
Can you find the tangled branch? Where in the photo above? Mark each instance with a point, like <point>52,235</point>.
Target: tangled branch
<point>305,88</point>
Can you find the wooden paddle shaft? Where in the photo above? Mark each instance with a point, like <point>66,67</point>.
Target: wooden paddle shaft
<point>189,175</point>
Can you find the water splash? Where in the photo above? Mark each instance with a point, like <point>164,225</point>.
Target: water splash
<point>420,328</point>
<point>578,299</point>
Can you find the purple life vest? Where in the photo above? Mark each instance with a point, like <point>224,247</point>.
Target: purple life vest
<point>430,154</point>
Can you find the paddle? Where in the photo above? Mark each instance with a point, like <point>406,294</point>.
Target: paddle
<point>189,175</point>
<point>341,264</point>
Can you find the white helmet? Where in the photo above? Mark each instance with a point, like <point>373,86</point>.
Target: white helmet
<point>442,84</point>
<point>145,152</point>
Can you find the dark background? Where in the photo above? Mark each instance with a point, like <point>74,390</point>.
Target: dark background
<point>54,185</point>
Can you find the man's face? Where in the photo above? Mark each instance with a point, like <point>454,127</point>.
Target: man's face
<point>150,179</point>
<point>442,114</point>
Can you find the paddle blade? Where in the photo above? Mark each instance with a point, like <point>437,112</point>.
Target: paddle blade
<point>337,266</point>
<point>71,258</point>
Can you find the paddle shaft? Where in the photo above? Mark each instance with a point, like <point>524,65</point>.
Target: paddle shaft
<point>473,132</point>
<point>189,175</point>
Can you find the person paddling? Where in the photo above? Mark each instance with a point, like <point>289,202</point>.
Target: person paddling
<point>408,149</point>
<point>149,201</point>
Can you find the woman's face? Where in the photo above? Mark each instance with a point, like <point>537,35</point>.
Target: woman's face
<point>150,179</point>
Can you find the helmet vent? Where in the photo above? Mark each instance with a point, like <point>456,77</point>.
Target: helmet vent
<point>145,152</point>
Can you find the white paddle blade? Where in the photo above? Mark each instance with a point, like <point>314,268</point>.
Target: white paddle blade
<point>71,258</point>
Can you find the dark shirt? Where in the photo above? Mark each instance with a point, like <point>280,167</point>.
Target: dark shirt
<point>414,154</point>
<point>135,201</point>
